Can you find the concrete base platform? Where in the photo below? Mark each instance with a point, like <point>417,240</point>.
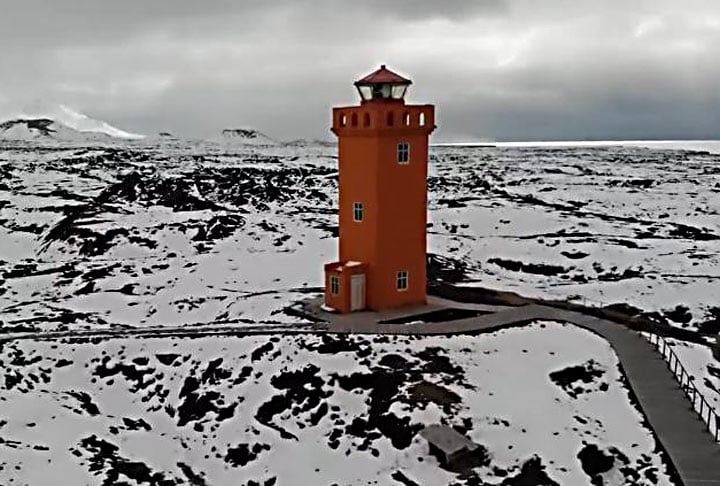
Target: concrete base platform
<point>313,309</point>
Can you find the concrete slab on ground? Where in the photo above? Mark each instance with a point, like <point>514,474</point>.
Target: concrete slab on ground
<point>313,308</point>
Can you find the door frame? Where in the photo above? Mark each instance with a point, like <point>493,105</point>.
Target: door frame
<point>355,280</point>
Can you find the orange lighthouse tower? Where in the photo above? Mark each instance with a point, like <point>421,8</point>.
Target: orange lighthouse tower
<point>383,159</point>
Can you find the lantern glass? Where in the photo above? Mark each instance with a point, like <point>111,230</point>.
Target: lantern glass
<point>398,92</point>
<point>365,92</point>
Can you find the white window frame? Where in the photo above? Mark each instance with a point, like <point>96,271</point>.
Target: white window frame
<point>403,153</point>
<point>402,281</point>
<point>358,210</point>
<point>334,285</point>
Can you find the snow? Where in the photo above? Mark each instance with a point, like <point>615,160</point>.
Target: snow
<point>84,124</point>
<point>543,204</point>
<point>613,241</point>
<point>712,146</point>
<point>187,235</point>
<point>67,125</point>
<point>500,375</point>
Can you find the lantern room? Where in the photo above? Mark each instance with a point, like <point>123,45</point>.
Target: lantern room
<point>383,85</point>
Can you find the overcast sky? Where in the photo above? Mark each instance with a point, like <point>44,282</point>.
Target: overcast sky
<point>496,69</point>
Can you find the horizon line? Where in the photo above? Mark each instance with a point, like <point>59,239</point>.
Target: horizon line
<point>532,143</point>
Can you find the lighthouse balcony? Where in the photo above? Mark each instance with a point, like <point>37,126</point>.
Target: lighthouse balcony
<point>382,117</point>
<point>345,286</point>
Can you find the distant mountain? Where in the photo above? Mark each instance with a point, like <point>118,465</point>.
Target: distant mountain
<point>29,129</point>
<point>61,123</point>
<point>22,128</point>
<point>246,136</point>
<point>84,124</point>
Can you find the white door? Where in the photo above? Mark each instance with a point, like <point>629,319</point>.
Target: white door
<point>357,292</point>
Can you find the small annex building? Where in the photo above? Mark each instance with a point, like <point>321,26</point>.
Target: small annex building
<point>346,285</point>
<point>454,451</point>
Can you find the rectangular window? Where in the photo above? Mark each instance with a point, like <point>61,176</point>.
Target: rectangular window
<point>403,153</point>
<point>334,284</point>
<point>402,280</point>
<point>358,211</point>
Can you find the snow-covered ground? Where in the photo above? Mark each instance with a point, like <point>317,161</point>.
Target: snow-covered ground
<point>139,237</point>
<point>694,145</point>
<point>608,224</point>
<point>185,233</point>
<point>546,402</point>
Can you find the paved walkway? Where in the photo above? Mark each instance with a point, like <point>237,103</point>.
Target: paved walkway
<point>678,428</point>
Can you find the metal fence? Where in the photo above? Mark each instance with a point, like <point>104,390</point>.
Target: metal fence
<point>587,302</point>
<point>687,384</point>
<point>584,301</point>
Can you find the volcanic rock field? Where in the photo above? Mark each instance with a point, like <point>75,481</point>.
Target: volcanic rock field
<point>179,237</point>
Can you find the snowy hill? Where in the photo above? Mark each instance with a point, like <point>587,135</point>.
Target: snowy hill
<point>61,123</point>
<point>246,136</point>
<point>84,124</point>
<point>25,128</point>
<point>42,129</point>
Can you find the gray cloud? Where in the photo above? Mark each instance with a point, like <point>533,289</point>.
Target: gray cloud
<point>449,9</point>
<point>507,69</point>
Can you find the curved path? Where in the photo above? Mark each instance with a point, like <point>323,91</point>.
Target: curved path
<point>196,330</point>
<point>683,435</point>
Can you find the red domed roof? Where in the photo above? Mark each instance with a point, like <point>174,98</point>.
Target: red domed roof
<point>382,76</point>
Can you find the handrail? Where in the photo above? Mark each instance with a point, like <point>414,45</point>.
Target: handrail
<point>587,302</point>
<point>687,385</point>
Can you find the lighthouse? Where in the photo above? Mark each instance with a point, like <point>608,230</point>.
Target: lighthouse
<point>383,159</point>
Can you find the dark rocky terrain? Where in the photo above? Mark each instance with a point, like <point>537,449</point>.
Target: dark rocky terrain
<point>178,237</point>
<point>91,232</point>
<point>214,409</point>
